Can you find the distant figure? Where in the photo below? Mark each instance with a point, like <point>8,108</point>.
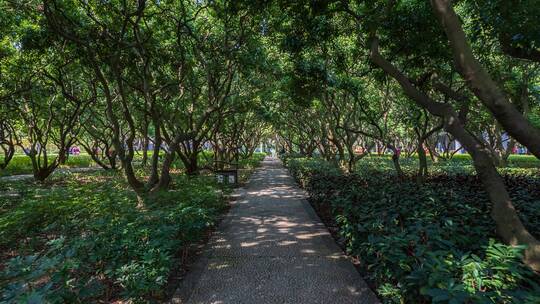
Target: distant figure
<point>111,152</point>
<point>75,150</point>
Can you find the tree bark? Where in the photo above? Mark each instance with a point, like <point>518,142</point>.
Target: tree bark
<point>190,156</point>
<point>145,150</point>
<point>93,154</point>
<point>8,155</point>
<point>165,179</point>
<point>192,166</point>
<point>42,170</point>
<point>395,161</point>
<point>154,164</point>
<point>422,162</point>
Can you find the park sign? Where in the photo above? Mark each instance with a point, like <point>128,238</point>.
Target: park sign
<point>229,177</point>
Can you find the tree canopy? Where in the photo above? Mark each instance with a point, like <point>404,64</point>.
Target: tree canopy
<point>339,79</point>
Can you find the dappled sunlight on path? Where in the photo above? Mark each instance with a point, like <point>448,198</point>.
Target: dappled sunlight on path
<point>272,248</point>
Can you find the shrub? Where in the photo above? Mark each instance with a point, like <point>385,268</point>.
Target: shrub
<point>81,242</point>
<point>431,242</point>
<point>285,157</point>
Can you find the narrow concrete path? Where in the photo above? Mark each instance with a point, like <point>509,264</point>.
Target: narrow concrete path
<point>272,248</point>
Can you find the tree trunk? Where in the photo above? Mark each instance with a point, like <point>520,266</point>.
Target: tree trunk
<point>165,179</point>
<point>145,150</point>
<point>352,159</point>
<point>154,175</point>
<point>132,178</point>
<point>63,160</point>
<point>397,166</point>
<point>192,166</point>
<point>42,171</point>
<point>423,139</point>
<point>95,157</point>
<point>508,151</point>
<point>111,156</point>
<point>422,162</point>
<point>8,155</point>
<point>145,144</point>
<point>395,160</point>
<point>341,153</point>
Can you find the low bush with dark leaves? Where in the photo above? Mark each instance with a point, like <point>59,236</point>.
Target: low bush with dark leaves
<point>430,242</point>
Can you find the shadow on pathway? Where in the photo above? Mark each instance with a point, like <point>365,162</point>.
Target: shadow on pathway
<point>272,248</point>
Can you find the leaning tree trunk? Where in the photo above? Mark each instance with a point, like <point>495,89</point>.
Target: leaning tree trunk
<point>509,226</point>
<point>95,157</point>
<point>8,152</point>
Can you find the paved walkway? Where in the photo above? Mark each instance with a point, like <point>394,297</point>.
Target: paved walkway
<point>272,248</point>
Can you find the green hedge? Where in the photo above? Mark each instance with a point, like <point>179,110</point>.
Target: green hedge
<point>21,164</point>
<point>427,243</point>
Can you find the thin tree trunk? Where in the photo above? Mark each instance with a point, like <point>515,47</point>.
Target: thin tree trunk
<point>154,175</point>
<point>145,151</point>
<point>95,157</point>
<point>422,162</point>
<point>395,161</point>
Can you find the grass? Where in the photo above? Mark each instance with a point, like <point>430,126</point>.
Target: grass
<point>460,163</point>
<point>21,164</point>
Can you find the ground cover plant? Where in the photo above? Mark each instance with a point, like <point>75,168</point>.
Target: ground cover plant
<point>80,237</point>
<point>429,242</point>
